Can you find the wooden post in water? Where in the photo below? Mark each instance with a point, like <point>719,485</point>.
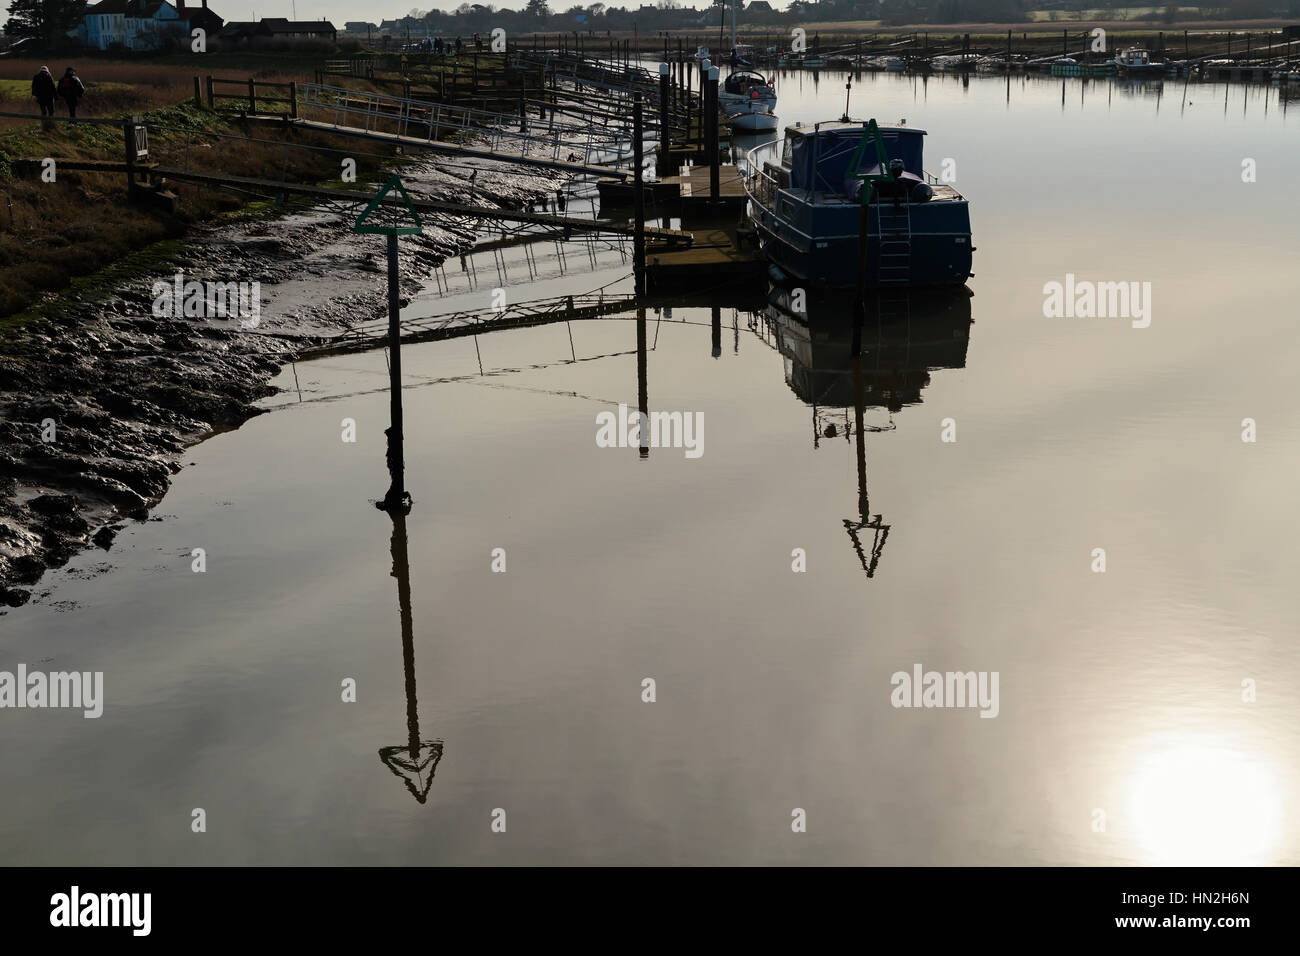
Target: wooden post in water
<point>638,196</point>
<point>665,130</point>
<point>711,112</point>
<point>642,384</point>
<point>396,497</point>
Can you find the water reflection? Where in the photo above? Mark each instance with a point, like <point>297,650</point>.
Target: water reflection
<point>841,360</point>
<point>416,760</point>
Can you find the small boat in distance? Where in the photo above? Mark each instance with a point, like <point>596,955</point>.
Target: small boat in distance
<point>833,178</point>
<point>1135,61</point>
<point>744,87</point>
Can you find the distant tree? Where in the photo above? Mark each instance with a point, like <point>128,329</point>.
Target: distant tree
<point>537,8</point>
<point>47,19</point>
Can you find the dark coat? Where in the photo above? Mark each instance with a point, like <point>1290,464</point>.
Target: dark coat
<point>70,88</point>
<point>43,86</point>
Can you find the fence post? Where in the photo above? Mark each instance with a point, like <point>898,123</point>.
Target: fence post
<point>252,97</point>
<point>212,98</point>
<point>293,98</point>
<point>128,134</point>
<point>198,92</point>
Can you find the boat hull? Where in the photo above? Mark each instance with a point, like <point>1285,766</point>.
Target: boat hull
<point>754,121</point>
<point>937,250</point>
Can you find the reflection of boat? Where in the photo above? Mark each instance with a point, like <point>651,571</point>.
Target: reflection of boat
<point>1135,61</point>
<point>836,179</point>
<point>906,334</point>
<point>842,362</point>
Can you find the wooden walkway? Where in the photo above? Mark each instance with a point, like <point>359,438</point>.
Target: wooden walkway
<point>273,187</point>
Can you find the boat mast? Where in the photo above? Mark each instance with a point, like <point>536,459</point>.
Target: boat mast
<point>733,24</point>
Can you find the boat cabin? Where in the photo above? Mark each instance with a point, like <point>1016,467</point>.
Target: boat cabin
<point>745,83</point>
<point>817,158</point>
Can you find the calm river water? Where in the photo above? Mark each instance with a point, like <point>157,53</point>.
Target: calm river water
<point>1145,714</point>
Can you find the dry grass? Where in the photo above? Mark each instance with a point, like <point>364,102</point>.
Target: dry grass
<point>53,233</point>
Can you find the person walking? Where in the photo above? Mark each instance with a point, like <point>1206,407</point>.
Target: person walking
<point>44,89</point>
<point>72,90</point>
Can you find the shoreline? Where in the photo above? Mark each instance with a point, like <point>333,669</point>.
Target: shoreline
<point>100,399</point>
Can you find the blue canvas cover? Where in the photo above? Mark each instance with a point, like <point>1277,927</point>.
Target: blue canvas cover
<point>834,150</point>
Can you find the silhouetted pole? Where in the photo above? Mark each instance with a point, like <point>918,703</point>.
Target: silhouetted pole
<point>665,130</point>
<point>704,104</point>
<point>638,196</point>
<point>717,331</point>
<point>402,571</point>
<point>642,385</point>
<point>393,501</point>
<point>712,113</point>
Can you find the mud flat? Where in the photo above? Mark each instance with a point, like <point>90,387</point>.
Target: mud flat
<point>99,397</point>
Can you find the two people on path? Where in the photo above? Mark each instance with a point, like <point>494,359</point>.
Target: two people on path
<point>45,90</point>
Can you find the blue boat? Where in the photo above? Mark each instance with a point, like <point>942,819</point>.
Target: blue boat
<point>838,179</point>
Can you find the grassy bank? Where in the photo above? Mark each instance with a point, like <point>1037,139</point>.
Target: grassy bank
<point>52,234</point>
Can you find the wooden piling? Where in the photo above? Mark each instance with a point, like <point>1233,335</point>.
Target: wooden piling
<point>638,195</point>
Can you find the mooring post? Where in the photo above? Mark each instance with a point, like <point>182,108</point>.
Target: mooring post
<point>712,113</point>
<point>638,197</point>
<point>642,384</point>
<point>704,105</point>
<point>665,130</point>
<point>396,461</point>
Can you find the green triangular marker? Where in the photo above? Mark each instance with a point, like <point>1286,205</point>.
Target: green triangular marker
<point>391,230</point>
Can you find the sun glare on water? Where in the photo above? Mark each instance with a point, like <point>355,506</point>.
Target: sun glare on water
<point>1205,803</point>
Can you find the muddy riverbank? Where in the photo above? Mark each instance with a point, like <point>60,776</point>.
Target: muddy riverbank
<point>100,397</point>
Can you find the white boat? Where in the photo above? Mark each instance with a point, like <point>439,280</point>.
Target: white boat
<point>746,98</point>
<point>752,118</point>
<point>744,86</point>
<point>1136,61</point>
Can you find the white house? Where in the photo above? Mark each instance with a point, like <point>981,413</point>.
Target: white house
<point>104,24</point>
<point>131,24</point>
<point>153,23</point>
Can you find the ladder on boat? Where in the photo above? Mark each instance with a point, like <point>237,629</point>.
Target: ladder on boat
<point>894,227</point>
